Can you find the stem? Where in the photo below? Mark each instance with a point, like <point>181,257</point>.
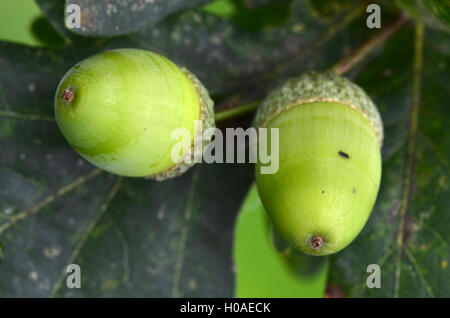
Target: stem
<point>340,68</point>
<point>350,61</point>
<point>280,68</point>
<point>330,32</point>
<point>236,111</point>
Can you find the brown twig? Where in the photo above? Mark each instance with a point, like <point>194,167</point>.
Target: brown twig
<point>350,61</point>
<point>340,68</point>
<point>329,33</point>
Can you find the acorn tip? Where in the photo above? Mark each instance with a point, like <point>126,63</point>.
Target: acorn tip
<point>316,242</point>
<point>68,95</point>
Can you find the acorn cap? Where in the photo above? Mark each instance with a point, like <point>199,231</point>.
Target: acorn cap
<point>315,87</point>
<point>206,122</point>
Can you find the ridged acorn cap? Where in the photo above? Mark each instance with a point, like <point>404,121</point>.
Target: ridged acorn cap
<point>314,87</point>
<point>206,122</point>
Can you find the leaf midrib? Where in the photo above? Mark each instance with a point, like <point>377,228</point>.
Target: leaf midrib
<point>409,165</point>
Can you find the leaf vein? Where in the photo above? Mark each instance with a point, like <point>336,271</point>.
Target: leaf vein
<point>409,155</point>
<point>183,236</point>
<point>418,271</point>
<point>52,197</point>
<point>11,114</point>
<point>85,235</point>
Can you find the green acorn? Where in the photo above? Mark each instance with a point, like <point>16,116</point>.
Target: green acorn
<point>330,135</point>
<point>118,110</point>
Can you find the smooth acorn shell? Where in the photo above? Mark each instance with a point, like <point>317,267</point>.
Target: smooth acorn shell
<point>118,110</point>
<point>330,134</point>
